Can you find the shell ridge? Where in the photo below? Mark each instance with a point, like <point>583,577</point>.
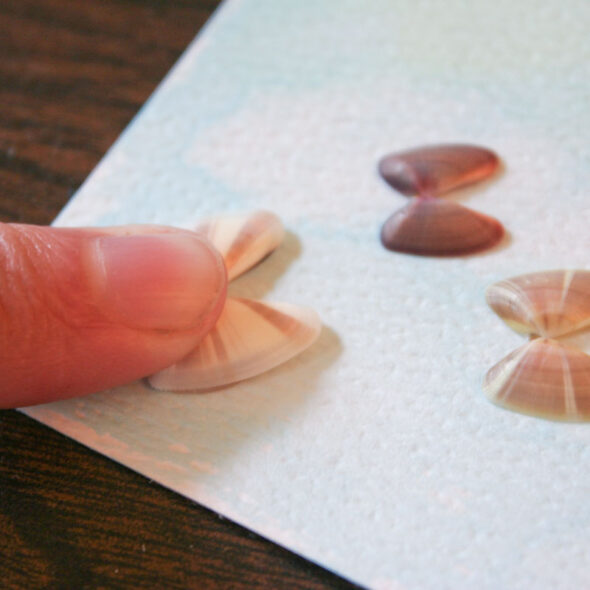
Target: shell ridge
<point>512,378</point>
<point>501,385</point>
<point>529,308</point>
<point>218,345</point>
<point>236,342</point>
<point>277,319</point>
<point>569,393</point>
<point>567,283</point>
<point>568,277</point>
<point>244,241</point>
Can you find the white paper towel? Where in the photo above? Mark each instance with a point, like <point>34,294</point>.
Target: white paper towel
<point>374,453</point>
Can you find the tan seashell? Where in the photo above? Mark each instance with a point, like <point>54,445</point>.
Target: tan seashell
<point>249,338</point>
<point>435,227</point>
<point>243,239</point>
<point>437,169</point>
<point>542,378</point>
<point>547,304</point>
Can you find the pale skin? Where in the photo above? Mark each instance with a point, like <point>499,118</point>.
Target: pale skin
<point>86,309</point>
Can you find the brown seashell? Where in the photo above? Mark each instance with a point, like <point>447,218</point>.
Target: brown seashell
<point>549,304</point>
<point>243,239</point>
<point>542,378</point>
<point>434,170</point>
<point>249,338</point>
<point>433,227</point>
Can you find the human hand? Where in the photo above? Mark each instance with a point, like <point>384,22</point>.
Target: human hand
<point>86,309</point>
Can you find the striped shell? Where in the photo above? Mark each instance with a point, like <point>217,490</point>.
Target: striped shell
<point>434,170</point>
<point>542,378</point>
<point>250,337</point>
<point>243,240</point>
<point>548,304</point>
<point>434,227</point>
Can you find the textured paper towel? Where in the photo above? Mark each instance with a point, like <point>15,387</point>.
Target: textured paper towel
<point>374,453</point>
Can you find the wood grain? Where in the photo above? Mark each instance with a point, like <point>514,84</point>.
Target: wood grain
<point>72,75</point>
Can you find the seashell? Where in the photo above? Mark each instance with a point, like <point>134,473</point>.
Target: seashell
<point>542,378</point>
<point>249,338</point>
<point>548,304</point>
<point>243,240</point>
<point>433,227</point>
<point>434,170</point>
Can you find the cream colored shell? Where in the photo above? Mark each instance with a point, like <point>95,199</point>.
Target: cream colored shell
<point>546,304</point>
<point>542,378</point>
<point>250,337</point>
<point>243,239</point>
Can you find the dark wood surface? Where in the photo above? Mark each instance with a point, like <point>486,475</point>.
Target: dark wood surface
<point>72,74</point>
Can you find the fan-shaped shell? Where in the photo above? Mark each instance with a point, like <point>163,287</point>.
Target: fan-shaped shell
<point>243,239</point>
<point>550,304</point>
<point>433,227</point>
<point>434,170</point>
<point>542,378</point>
<point>249,338</point>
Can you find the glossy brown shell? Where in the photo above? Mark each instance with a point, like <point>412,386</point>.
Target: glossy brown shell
<point>437,169</point>
<point>433,227</point>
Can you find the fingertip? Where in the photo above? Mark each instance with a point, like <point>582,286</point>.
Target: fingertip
<point>87,310</point>
<point>173,281</point>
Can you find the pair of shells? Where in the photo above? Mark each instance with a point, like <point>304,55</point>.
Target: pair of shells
<point>544,377</point>
<point>430,226</point>
<point>250,337</point>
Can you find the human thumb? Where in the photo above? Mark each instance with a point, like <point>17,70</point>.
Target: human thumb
<point>82,310</point>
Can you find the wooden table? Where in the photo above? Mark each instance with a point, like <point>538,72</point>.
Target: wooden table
<point>72,74</point>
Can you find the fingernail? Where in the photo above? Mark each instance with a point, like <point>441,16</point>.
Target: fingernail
<point>162,281</point>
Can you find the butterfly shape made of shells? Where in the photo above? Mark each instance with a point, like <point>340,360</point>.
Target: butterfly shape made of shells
<point>428,225</point>
<point>545,377</point>
<point>250,337</point>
